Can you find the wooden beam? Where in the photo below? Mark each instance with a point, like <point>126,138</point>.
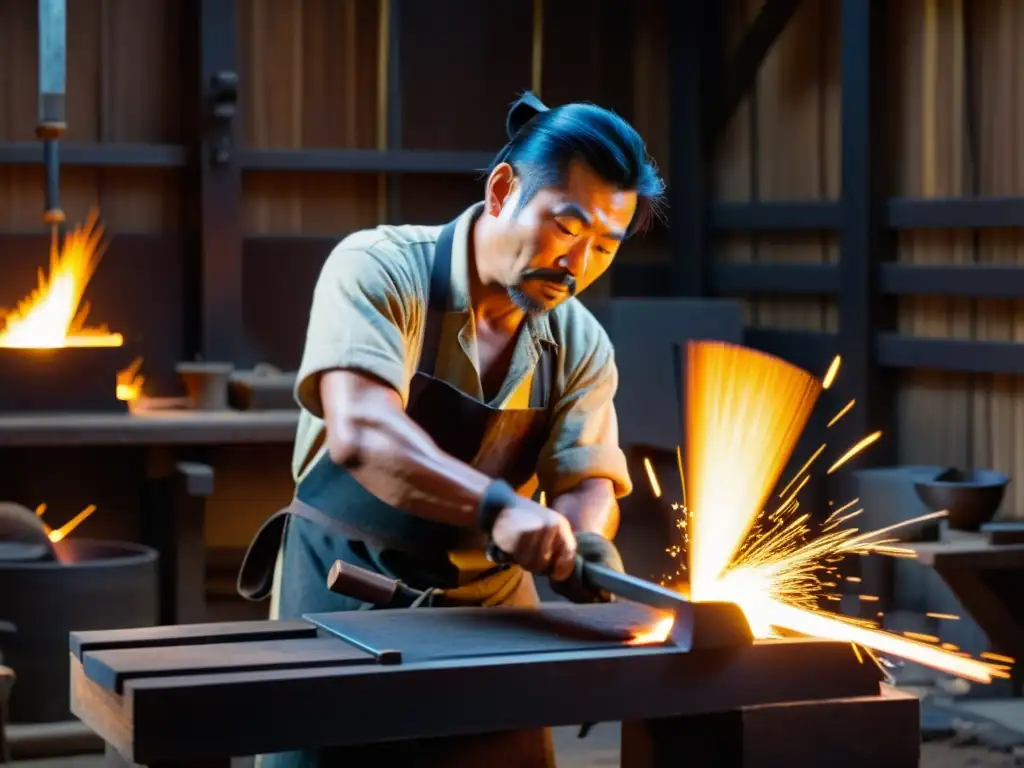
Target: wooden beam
<point>864,236</point>
<point>694,32</point>
<point>220,333</point>
<point>98,154</point>
<point>740,74</point>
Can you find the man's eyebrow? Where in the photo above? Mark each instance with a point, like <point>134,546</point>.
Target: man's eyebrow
<point>576,212</point>
<point>572,210</point>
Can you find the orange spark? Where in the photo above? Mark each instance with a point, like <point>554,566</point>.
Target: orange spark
<point>830,374</point>
<point>682,477</point>
<point>998,657</point>
<point>802,469</point>
<point>652,478</point>
<point>59,534</point>
<point>860,446</point>
<point>842,412</point>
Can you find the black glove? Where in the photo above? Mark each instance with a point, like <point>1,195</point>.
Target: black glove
<point>592,548</point>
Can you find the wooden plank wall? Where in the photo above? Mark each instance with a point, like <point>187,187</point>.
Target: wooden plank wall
<point>314,75</point>
<point>125,78</point>
<point>955,107</point>
<point>125,84</point>
<point>127,61</point>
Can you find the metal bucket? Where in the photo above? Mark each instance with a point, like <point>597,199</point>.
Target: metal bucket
<point>97,585</point>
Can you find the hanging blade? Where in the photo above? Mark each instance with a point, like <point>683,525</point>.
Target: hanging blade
<point>52,117</point>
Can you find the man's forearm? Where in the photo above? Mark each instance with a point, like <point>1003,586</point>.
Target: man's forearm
<point>393,458</point>
<point>591,506</point>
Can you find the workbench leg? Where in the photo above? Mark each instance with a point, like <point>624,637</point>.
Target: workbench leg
<point>174,520</point>
<point>876,731</point>
<point>114,759</point>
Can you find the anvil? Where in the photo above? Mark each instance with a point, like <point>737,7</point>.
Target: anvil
<point>202,693</point>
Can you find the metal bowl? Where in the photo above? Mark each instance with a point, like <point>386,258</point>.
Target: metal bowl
<point>971,496</point>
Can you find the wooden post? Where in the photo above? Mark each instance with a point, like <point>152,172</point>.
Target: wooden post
<point>220,184</point>
<point>878,731</point>
<point>864,238</point>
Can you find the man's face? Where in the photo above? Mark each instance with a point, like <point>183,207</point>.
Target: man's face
<point>563,239</point>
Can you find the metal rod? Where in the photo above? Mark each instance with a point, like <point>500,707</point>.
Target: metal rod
<point>631,588</point>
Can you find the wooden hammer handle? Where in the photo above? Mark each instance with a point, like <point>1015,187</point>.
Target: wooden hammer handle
<point>361,584</point>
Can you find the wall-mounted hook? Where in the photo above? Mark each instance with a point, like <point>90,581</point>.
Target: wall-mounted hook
<point>223,109</point>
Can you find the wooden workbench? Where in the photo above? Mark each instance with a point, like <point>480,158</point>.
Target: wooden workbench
<point>988,581</point>
<point>201,694</point>
<point>152,428</point>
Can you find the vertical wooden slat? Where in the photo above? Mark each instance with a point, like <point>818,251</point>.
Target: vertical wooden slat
<point>383,63</point>
<point>220,193</point>
<point>537,49</point>
<point>691,47</point>
<point>395,103</point>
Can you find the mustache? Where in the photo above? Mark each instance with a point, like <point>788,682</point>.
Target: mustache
<point>550,275</point>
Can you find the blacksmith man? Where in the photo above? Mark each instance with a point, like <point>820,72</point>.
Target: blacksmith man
<point>447,371</point>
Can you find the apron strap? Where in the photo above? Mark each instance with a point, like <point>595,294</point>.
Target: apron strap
<point>437,301</point>
<point>256,576</point>
<point>543,378</point>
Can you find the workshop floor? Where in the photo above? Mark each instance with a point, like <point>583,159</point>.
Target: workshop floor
<point>601,750</point>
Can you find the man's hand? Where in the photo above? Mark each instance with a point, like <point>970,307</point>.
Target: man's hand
<point>538,539</point>
<point>592,548</point>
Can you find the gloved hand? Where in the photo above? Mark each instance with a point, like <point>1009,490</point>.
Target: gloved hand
<point>593,548</point>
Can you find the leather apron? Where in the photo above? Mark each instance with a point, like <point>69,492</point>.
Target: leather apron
<point>424,554</point>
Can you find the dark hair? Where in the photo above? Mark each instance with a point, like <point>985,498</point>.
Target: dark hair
<point>543,141</point>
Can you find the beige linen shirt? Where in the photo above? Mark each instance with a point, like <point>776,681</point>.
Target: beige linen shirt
<point>368,314</point>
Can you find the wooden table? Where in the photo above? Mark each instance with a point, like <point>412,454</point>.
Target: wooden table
<point>988,580</point>
<point>176,485</point>
<point>197,695</point>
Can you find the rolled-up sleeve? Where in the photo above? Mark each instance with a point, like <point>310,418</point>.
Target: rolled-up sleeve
<point>359,320</point>
<point>584,440</point>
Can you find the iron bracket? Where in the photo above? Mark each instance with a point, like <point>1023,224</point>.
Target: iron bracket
<point>223,109</point>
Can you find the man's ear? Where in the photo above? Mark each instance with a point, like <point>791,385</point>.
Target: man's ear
<point>500,186</point>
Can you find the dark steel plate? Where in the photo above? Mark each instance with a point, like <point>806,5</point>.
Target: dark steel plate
<point>434,634</point>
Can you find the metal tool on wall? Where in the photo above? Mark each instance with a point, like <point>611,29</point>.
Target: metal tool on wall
<point>52,116</point>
